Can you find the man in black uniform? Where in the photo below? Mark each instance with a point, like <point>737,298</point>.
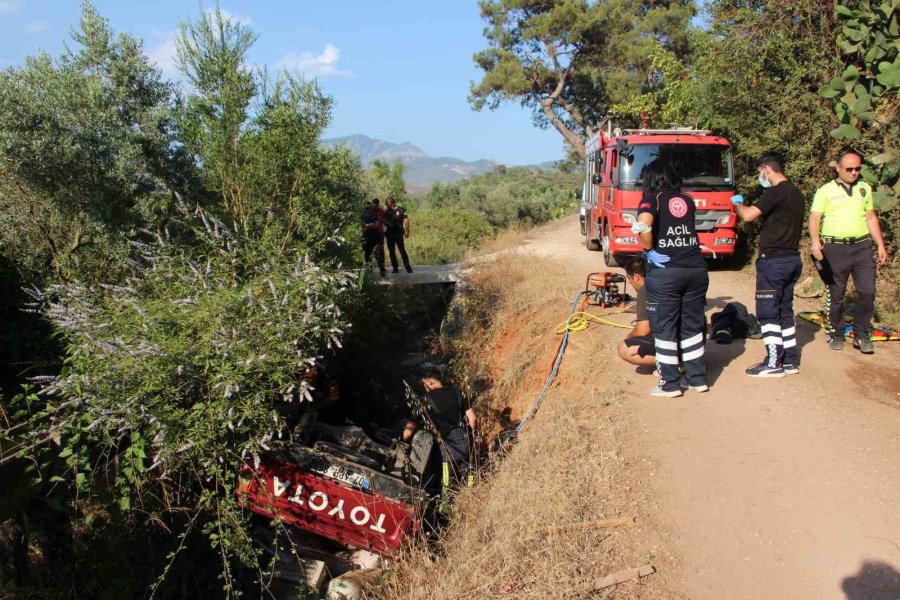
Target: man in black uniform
<point>778,267</point>
<point>396,228</point>
<point>448,414</point>
<point>373,234</point>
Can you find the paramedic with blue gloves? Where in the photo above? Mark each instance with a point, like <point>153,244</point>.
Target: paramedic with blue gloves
<point>676,280</point>
<point>781,209</point>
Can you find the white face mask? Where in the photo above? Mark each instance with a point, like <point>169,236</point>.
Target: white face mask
<point>763,181</point>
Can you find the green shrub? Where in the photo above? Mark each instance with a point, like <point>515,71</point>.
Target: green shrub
<point>442,235</point>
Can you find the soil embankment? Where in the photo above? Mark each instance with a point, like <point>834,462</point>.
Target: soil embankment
<point>783,488</point>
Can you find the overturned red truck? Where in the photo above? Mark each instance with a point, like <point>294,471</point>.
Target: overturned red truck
<point>357,492</point>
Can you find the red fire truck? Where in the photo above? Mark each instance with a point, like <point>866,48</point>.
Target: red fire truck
<point>613,165</point>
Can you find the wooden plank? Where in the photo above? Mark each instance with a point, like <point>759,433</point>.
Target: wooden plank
<point>589,526</point>
<point>622,577</point>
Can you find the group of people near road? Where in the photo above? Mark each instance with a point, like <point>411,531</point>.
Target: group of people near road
<point>671,278</point>
<point>379,225</point>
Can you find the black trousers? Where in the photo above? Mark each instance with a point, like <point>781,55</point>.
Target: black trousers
<point>775,280</point>
<point>856,260</point>
<point>374,243</point>
<point>675,300</point>
<point>395,242</point>
<point>455,452</point>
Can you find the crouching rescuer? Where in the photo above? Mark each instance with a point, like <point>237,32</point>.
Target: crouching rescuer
<point>637,348</point>
<point>778,266</point>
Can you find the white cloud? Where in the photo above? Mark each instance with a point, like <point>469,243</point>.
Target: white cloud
<point>314,65</point>
<point>164,56</point>
<point>10,5</point>
<point>227,16</point>
<point>36,26</point>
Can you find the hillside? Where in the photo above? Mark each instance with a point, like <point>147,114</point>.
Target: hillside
<point>422,170</point>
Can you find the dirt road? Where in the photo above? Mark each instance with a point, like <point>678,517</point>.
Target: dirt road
<point>783,488</point>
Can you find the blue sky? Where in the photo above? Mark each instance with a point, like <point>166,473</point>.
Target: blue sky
<point>398,70</point>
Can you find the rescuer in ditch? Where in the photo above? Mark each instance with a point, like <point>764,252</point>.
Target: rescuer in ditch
<point>396,224</point>
<point>448,416</point>
<point>842,227</point>
<point>676,280</point>
<point>637,348</point>
<point>778,267</point>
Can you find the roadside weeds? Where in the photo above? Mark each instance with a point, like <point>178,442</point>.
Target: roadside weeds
<point>527,530</point>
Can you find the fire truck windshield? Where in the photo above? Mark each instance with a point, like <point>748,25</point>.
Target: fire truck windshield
<point>700,166</point>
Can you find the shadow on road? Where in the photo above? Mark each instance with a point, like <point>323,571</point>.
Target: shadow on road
<point>719,302</point>
<point>806,333</point>
<point>719,356</point>
<point>875,581</point>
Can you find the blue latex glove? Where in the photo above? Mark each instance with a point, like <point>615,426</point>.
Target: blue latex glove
<point>657,259</point>
<point>737,199</point>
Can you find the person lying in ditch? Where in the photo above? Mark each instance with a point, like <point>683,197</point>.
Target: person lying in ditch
<point>447,415</point>
<point>638,348</point>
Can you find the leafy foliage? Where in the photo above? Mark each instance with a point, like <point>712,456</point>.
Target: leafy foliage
<point>508,197</point>
<point>89,152</point>
<point>265,169</point>
<point>453,217</point>
<point>385,179</point>
<point>569,61</point>
<point>180,366</point>
<point>442,235</point>
<point>864,95</point>
<point>175,376</point>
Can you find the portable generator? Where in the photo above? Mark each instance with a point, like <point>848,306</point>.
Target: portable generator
<point>607,289</point>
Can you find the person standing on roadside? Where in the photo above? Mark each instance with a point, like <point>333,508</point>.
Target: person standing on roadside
<point>676,280</point>
<point>397,228</point>
<point>373,234</point>
<point>842,227</point>
<point>781,209</point>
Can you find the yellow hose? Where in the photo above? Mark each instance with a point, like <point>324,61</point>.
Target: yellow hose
<point>580,321</point>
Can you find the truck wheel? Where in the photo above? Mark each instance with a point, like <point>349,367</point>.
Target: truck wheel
<point>590,242</point>
<point>608,257</point>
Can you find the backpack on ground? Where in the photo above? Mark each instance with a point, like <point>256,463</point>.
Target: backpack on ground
<point>734,322</point>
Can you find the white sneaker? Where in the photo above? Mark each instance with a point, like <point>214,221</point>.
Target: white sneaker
<point>657,391</point>
<point>694,388</point>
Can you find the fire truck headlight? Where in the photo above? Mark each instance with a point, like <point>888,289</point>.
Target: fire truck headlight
<point>723,219</point>
<point>629,218</point>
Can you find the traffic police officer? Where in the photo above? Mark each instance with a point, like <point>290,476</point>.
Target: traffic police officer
<point>778,267</point>
<point>676,280</point>
<point>842,226</point>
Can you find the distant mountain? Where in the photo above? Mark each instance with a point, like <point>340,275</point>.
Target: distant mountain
<point>421,170</point>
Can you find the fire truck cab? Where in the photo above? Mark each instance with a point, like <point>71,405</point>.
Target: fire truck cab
<point>613,166</point>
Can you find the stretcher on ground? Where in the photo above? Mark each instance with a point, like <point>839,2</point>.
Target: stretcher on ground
<point>880,331</point>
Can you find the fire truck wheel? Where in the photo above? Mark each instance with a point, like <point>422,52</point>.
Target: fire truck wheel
<point>608,257</point>
<point>590,242</point>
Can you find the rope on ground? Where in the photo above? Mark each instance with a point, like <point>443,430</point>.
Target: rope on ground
<point>578,320</point>
<point>560,350</point>
<point>581,320</point>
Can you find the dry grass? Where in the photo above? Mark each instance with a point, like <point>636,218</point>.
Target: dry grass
<point>501,241</point>
<point>565,469</point>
